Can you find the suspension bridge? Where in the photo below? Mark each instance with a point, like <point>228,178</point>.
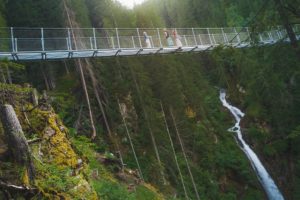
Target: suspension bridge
<point>29,44</point>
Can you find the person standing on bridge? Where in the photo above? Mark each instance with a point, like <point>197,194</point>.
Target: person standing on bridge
<point>147,40</point>
<point>177,39</point>
<point>168,38</point>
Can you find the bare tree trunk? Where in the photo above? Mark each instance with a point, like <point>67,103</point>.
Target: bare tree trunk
<point>77,123</point>
<point>286,23</point>
<point>2,75</point>
<point>9,189</point>
<point>102,109</point>
<point>15,137</point>
<point>52,81</point>
<point>45,77</point>
<point>79,63</point>
<point>35,97</point>
<point>87,99</point>
<point>8,75</point>
<point>184,155</point>
<point>66,67</point>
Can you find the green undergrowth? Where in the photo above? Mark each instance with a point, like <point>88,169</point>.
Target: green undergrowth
<point>104,181</point>
<point>12,89</point>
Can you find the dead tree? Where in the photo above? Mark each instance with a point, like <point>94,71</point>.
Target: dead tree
<point>35,97</point>
<point>15,138</point>
<point>80,67</point>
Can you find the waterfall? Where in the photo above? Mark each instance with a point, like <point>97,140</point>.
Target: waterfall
<point>265,179</point>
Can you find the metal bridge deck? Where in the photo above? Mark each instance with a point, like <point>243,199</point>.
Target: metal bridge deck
<point>29,44</point>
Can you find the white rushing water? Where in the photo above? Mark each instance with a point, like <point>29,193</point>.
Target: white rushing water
<point>267,182</point>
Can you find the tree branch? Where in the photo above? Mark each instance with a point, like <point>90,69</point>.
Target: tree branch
<point>17,187</point>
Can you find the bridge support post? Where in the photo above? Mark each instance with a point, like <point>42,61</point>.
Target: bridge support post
<point>138,32</point>
<point>194,35</point>
<point>118,39</point>
<point>249,35</point>
<point>67,42</point>
<point>271,37</point>
<point>279,32</point>
<point>151,40</point>
<point>95,40</point>
<point>91,42</point>
<point>209,36</point>
<point>112,42</point>
<point>16,45</point>
<point>201,43</point>
<point>185,40</point>
<point>224,36</point>
<point>42,39</point>
<point>69,38</point>
<point>159,38</point>
<point>238,35</point>
<point>133,43</point>
<point>12,39</point>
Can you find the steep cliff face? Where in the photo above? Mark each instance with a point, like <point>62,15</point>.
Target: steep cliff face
<point>59,171</point>
<point>63,168</point>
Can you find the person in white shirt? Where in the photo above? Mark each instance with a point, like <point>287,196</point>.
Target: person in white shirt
<point>147,40</point>
<point>177,39</point>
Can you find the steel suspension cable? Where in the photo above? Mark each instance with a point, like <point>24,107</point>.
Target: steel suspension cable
<point>174,152</point>
<point>81,74</point>
<point>149,127</point>
<point>184,155</point>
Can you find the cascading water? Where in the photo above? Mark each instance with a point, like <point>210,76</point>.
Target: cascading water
<point>265,179</point>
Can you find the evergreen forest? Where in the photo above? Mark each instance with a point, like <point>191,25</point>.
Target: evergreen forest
<point>151,127</point>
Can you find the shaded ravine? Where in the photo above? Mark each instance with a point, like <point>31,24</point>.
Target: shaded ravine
<point>265,179</point>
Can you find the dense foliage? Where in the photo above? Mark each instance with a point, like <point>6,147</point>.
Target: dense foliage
<point>263,81</point>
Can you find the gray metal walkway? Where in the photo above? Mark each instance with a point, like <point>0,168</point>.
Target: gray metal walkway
<point>26,44</point>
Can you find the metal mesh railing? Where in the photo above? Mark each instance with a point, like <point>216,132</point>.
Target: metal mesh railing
<point>81,39</point>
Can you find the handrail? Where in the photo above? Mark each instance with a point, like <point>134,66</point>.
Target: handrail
<point>19,41</point>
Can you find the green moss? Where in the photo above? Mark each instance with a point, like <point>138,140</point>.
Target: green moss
<point>55,181</point>
<point>60,173</point>
<point>13,89</point>
<point>87,150</point>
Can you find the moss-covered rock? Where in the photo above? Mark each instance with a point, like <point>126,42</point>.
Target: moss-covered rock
<point>59,170</point>
<point>65,168</point>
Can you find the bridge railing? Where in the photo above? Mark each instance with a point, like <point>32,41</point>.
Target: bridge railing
<point>66,39</point>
